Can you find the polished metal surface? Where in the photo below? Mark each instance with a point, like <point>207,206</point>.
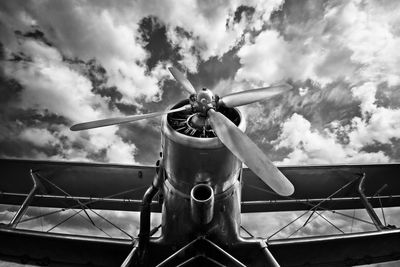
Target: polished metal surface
<point>178,226</point>
<point>192,160</point>
<point>202,204</point>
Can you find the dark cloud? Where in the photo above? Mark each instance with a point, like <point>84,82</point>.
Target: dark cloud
<point>154,34</point>
<point>9,90</point>
<point>391,149</point>
<point>148,148</point>
<point>215,69</point>
<point>98,76</point>
<point>2,53</point>
<point>295,12</point>
<point>243,11</point>
<point>35,34</point>
<point>387,96</point>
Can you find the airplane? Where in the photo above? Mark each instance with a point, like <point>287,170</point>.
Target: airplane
<point>200,187</point>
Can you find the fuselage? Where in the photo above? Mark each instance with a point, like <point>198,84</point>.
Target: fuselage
<point>201,190</point>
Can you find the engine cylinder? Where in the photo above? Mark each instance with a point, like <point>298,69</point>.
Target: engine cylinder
<point>202,204</point>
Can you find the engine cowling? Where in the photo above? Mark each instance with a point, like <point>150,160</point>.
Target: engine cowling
<point>193,155</point>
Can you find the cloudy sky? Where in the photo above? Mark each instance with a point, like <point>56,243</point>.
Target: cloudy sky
<point>64,62</point>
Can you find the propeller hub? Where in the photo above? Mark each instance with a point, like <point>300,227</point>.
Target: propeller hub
<point>204,100</point>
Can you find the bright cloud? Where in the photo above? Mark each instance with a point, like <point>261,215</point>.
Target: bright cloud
<point>378,125</point>
<point>39,137</point>
<point>313,147</point>
<point>208,23</point>
<point>353,40</point>
<point>50,84</point>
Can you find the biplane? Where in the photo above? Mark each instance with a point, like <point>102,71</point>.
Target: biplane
<point>201,189</point>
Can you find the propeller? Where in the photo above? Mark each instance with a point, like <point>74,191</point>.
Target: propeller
<point>254,95</point>
<point>230,135</point>
<point>182,80</point>
<point>119,120</point>
<point>249,153</point>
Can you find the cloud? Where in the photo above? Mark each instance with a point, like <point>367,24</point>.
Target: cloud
<point>353,41</point>
<point>39,137</point>
<point>92,32</point>
<point>378,124</point>
<point>313,147</point>
<point>341,53</point>
<point>92,24</point>
<point>206,24</point>
<point>50,84</point>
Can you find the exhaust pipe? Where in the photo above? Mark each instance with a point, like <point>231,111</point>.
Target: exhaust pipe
<point>202,203</point>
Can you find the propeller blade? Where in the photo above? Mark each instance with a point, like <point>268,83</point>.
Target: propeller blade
<point>119,120</point>
<point>182,80</point>
<point>249,153</point>
<point>254,95</point>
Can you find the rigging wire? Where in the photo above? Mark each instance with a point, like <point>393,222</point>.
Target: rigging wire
<point>383,213</point>
<point>313,207</point>
<point>331,223</point>
<point>78,213</point>
<point>352,221</point>
<point>85,206</point>
<point>41,219</point>
<point>86,203</point>
<point>247,231</point>
<point>310,220</point>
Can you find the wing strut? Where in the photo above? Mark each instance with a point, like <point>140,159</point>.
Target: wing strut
<point>25,205</point>
<point>372,214</point>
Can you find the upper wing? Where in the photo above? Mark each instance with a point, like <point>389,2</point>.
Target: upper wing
<point>121,187</point>
<point>316,183</point>
<point>104,186</point>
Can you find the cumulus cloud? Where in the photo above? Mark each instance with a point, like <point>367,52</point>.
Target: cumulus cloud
<point>39,137</point>
<point>340,52</point>
<point>208,24</point>
<point>379,124</point>
<point>50,84</point>
<point>313,147</point>
<point>353,41</point>
<point>342,142</point>
<point>92,32</point>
